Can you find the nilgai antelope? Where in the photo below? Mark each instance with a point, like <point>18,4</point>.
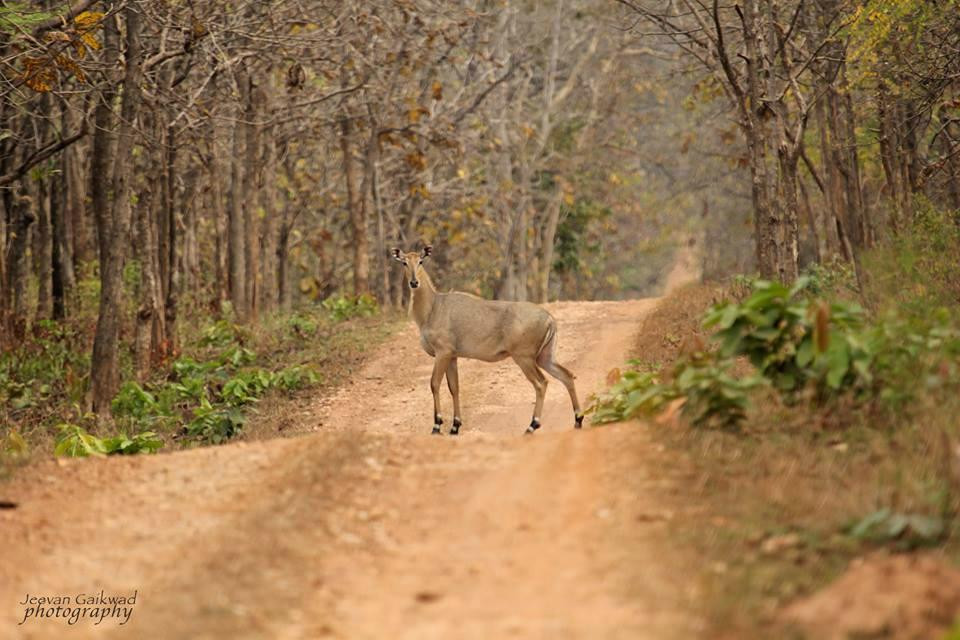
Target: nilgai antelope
<point>459,325</point>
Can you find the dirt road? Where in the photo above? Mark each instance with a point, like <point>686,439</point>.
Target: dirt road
<point>369,527</point>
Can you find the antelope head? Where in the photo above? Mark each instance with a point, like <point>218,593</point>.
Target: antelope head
<point>412,264</point>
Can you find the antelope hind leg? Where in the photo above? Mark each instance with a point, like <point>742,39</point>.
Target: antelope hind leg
<point>539,382</point>
<point>564,375</point>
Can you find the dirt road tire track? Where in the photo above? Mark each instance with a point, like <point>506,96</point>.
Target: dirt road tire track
<point>369,527</point>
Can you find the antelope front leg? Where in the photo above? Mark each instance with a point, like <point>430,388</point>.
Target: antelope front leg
<point>440,364</point>
<point>453,383</point>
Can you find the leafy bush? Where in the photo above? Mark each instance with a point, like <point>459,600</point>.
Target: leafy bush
<point>134,401</point>
<point>635,393</point>
<point>296,377</point>
<point>77,442</point>
<point>795,342</point>
<point>792,340</point>
<point>246,387</point>
<point>302,325</point>
<point>711,395</point>
<point>215,424</point>
<point>342,307</point>
<point>222,334</point>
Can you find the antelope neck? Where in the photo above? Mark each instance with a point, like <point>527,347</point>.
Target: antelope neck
<point>422,300</point>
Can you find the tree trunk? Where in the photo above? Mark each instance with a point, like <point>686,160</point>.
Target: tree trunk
<point>62,264</point>
<point>149,329</point>
<point>549,239</point>
<point>268,201</point>
<point>221,268</point>
<point>358,221</point>
<point>250,184</point>
<point>43,248</point>
<point>236,251</point>
<point>19,221</point>
<point>113,230</point>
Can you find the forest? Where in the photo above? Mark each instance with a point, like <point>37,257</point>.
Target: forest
<point>200,198</point>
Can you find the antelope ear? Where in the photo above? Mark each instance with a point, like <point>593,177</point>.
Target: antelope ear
<point>427,250</point>
<point>396,255</point>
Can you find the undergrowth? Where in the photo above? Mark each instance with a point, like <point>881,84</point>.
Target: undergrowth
<point>822,425</point>
<point>202,397</point>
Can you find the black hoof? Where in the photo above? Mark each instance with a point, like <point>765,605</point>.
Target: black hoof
<point>534,425</point>
<point>436,431</point>
<point>455,429</point>
<point>579,421</point>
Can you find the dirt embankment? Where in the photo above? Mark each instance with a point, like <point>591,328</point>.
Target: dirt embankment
<point>368,527</point>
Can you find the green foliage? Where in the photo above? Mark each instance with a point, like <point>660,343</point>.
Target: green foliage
<point>573,242</point>
<point>134,401</point>
<point>917,268</point>
<point>294,378</point>
<point>215,423</point>
<point>75,441</point>
<point>13,445</point>
<point>51,364</point>
<point>635,393</point>
<point>711,395</point>
<point>796,343</point>
<point>341,307</point>
<point>792,340</point>
<point>904,531</point>
<point>222,334</point>
<point>302,325</point>
<point>831,278</point>
<point>213,393</point>
<point>19,17</point>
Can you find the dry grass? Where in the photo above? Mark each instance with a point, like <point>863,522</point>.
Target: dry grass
<point>766,508</point>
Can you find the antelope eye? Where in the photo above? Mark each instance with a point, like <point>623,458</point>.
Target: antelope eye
<point>421,262</point>
<point>404,262</point>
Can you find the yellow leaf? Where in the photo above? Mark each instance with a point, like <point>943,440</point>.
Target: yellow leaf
<point>88,19</point>
<point>437,90</point>
<point>90,41</point>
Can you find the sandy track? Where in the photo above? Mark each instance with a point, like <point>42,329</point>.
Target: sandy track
<point>369,527</point>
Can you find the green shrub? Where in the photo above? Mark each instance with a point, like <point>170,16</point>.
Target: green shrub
<point>792,340</point>
<point>222,334</point>
<point>795,342</point>
<point>77,442</point>
<point>635,393</point>
<point>302,325</point>
<point>296,377</point>
<point>711,395</point>
<point>134,401</point>
<point>215,424</point>
<point>341,307</point>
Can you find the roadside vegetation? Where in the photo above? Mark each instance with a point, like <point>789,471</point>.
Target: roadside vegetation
<point>820,419</point>
<point>203,396</point>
